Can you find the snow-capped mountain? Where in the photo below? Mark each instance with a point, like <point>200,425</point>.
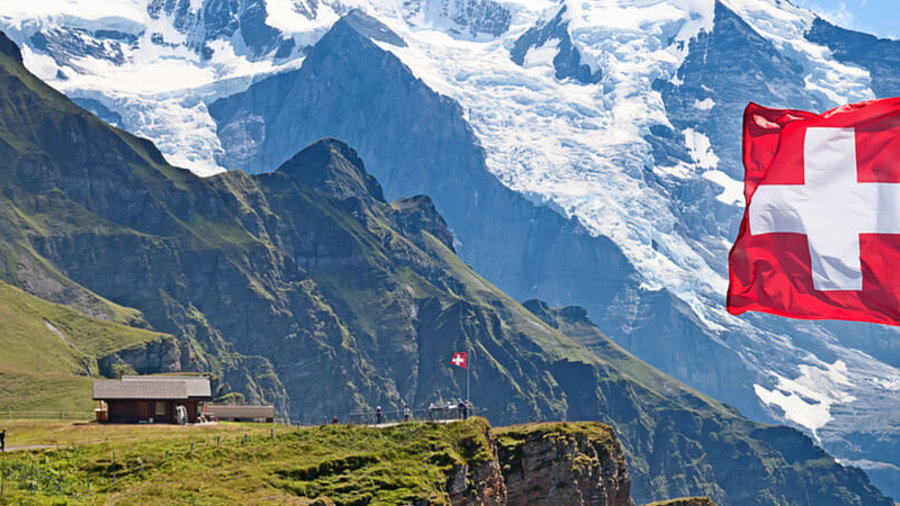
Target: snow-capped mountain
<point>624,115</point>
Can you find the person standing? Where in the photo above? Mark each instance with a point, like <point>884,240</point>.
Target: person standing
<point>334,420</point>
<point>405,413</point>
<point>465,410</point>
<point>379,416</point>
<point>3,440</point>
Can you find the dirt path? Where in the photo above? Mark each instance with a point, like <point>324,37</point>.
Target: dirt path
<point>32,447</point>
<point>394,424</point>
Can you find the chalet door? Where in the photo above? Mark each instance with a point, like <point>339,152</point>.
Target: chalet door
<point>159,411</point>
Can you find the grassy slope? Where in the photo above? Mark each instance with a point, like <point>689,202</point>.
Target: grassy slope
<point>350,465</point>
<point>40,371</point>
<point>555,344</point>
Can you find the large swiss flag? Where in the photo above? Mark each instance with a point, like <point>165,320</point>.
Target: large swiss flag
<point>820,238</point>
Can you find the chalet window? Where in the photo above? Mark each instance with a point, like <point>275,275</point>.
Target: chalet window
<point>160,408</point>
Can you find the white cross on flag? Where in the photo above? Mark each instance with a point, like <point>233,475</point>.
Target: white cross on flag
<point>459,360</point>
<point>820,236</point>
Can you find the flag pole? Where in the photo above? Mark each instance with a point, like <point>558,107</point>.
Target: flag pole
<point>468,367</point>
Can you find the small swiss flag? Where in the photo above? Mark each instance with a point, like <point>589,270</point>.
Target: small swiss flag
<point>459,360</point>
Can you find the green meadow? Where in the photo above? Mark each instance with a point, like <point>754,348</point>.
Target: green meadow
<point>235,463</point>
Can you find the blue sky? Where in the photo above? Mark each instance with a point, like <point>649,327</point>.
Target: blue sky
<point>878,17</point>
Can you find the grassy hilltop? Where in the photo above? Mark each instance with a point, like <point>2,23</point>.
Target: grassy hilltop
<point>251,464</point>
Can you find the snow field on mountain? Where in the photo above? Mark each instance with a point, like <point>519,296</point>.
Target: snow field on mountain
<point>85,10</point>
<point>162,89</point>
<point>285,16</point>
<point>808,397</point>
<point>578,147</point>
<point>785,25</point>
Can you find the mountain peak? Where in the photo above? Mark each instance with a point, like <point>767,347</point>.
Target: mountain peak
<point>419,214</point>
<point>9,48</point>
<point>334,168</point>
<point>370,27</point>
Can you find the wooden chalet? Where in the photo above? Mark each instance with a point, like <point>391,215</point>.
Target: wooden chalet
<point>151,399</point>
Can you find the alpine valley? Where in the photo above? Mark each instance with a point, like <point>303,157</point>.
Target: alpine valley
<point>582,158</point>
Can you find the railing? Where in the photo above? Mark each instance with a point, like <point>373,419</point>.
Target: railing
<point>435,414</point>
<point>9,414</point>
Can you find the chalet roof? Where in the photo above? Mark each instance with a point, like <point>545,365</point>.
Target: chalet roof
<point>197,386</point>
<point>224,411</point>
<point>145,389</point>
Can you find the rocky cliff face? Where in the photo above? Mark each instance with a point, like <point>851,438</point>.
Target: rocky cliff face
<point>202,24</point>
<point>563,464</point>
<point>551,464</point>
<point>147,358</point>
<point>479,481</point>
<point>567,61</point>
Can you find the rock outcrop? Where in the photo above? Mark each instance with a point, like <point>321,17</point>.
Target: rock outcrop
<point>564,464</point>
<point>164,355</point>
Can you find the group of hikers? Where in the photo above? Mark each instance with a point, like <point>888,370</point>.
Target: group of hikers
<point>462,410</point>
<point>434,412</point>
<point>379,414</point>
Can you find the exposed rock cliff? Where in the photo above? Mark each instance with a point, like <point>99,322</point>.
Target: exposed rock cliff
<point>564,464</point>
<point>478,480</point>
<point>164,355</point>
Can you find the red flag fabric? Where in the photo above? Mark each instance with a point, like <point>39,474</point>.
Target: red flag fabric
<point>820,237</point>
<point>459,360</point>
